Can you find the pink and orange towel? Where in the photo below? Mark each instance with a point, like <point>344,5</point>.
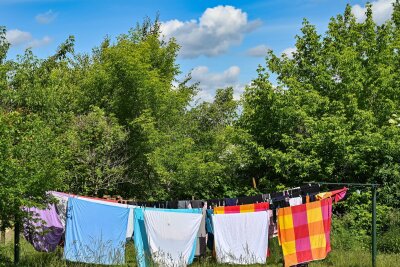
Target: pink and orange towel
<point>304,231</point>
<point>242,208</point>
<point>336,194</point>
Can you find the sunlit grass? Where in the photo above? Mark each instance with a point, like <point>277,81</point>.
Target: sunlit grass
<point>352,258</point>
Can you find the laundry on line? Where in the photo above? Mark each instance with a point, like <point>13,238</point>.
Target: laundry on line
<point>237,230</point>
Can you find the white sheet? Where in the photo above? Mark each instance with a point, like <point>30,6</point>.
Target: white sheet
<point>294,201</point>
<point>171,236</point>
<point>241,238</point>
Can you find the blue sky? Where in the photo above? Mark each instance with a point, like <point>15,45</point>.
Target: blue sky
<point>222,41</point>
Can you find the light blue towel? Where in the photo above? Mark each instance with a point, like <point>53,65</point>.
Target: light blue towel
<point>95,232</point>
<point>143,256</point>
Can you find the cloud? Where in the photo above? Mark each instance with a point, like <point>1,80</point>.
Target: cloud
<point>212,81</point>
<point>47,17</point>
<point>381,11</point>
<point>17,37</point>
<point>289,52</point>
<point>39,42</point>
<point>209,82</point>
<point>258,51</point>
<point>20,38</point>
<point>213,34</point>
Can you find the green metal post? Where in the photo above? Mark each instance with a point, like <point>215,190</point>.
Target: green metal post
<point>373,226</point>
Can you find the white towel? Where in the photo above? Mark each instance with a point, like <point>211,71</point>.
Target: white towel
<point>241,238</point>
<point>171,236</point>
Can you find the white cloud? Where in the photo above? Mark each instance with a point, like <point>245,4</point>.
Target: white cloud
<point>289,52</point>
<point>381,11</point>
<point>212,81</point>
<point>18,38</point>
<point>209,82</point>
<point>213,34</point>
<point>47,17</point>
<point>39,42</point>
<point>258,51</point>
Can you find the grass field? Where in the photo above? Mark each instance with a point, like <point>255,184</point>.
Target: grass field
<point>352,258</point>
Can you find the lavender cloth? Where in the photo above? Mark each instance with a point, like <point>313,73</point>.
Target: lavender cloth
<point>44,231</point>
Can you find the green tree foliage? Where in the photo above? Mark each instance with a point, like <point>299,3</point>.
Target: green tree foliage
<point>204,155</point>
<point>46,87</point>
<point>30,150</point>
<point>330,117</point>
<point>96,153</point>
<point>29,163</point>
<point>133,79</point>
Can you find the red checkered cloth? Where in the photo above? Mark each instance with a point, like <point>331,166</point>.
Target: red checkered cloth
<point>304,231</point>
<point>242,208</point>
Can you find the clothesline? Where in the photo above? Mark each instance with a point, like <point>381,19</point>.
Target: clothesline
<point>310,189</point>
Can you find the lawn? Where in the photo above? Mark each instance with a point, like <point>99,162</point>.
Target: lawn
<point>353,258</point>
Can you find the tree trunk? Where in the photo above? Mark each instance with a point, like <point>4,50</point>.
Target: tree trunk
<point>17,231</point>
<point>2,234</point>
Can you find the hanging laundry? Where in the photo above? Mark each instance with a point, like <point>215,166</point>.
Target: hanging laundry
<point>241,238</point>
<point>43,229</point>
<point>294,201</point>
<point>184,204</point>
<point>96,232</point>
<point>173,204</point>
<point>295,192</point>
<point>62,202</point>
<point>197,204</point>
<point>209,225</point>
<point>310,189</point>
<point>209,229</point>
<point>215,202</point>
<point>61,205</point>
<point>140,237</point>
<point>129,227</point>
<point>304,231</point>
<point>336,194</point>
<point>263,206</point>
<point>242,208</point>
<point>250,200</point>
<point>201,239</point>
<point>230,201</point>
<point>171,236</point>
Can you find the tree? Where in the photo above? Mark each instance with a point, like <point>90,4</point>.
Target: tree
<point>132,78</point>
<point>29,164</point>
<point>203,155</point>
<point>29,151</point>
<point>330,116</point>
<point>96,154</point>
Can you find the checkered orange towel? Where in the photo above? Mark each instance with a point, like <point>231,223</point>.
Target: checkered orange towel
<point>242,208</point>
<point>304,231</point>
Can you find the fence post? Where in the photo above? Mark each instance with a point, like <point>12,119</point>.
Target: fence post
<point>374,226</point>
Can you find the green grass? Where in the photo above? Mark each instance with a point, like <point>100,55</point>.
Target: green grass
<point>341,258</point>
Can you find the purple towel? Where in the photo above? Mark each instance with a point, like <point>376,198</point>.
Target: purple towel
<point>44,230</point>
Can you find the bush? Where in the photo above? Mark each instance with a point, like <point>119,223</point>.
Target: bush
<point>389,242</point>
<point>347,237</point>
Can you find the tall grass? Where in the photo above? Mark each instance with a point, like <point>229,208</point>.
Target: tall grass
<point>338,257</point>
